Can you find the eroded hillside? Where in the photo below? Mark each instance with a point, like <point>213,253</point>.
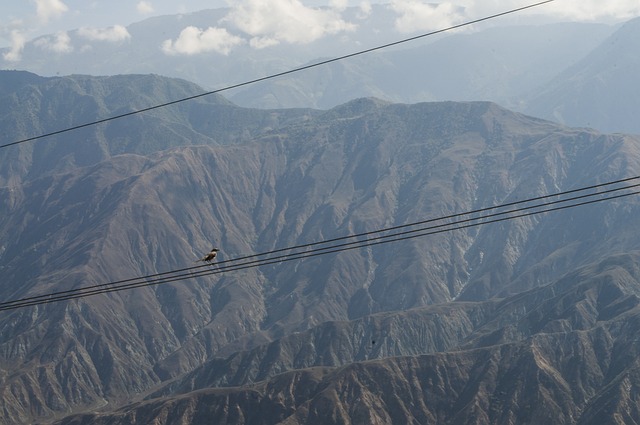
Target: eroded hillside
<point>408,315</point>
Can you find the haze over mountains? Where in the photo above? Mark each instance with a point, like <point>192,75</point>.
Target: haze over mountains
<point>578,74</point>
<point>522,321</point>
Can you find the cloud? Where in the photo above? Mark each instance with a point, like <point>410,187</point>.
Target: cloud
<point>263,42</point>
<point>18,41</point>
<point>416,15</point>
<point>276,21</point>
<point>194,40</point>
<point>59,43</point>
<point>339,4</point>
<point>594,10</point>
<point>364,10</point>
<point>144,7</point>
<point>49,9</point>
<point>422,15</point>
<point>113,34</point>
<point>569,10</point>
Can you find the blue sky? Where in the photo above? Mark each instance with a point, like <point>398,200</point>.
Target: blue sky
<point>265,21</point>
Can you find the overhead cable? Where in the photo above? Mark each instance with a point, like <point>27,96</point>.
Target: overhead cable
<point>241,263</point>
<point>369,233</point>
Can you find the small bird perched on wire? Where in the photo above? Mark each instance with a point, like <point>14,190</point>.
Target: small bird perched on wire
<point>210,256</point>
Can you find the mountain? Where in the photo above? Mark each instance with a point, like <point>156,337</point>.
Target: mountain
<point>578,74</point>
<point>495,63</point>
<point>601,90</point>
<point>500,64</point>
<point>423,317</point>
<point>32,106</point>
<point>557,354</point>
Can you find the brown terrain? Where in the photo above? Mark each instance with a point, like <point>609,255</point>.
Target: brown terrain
<point>532,320</point>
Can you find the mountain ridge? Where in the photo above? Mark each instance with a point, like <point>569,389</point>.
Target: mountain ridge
<point>207,120</point>
<point>298,177</point>
<point>575,73</point>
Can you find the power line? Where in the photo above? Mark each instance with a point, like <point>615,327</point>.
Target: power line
<point>236,264</point>
<point>221,263</point>
<point>298,256</point>
<point>359,235</point>
<point>276,75</point>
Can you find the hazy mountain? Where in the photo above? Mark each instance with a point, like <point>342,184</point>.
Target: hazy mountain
<point>578,74</point>
<point>454,316</point>
<point>499,64</point>
<point>600,91</point>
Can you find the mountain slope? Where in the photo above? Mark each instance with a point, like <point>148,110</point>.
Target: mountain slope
<point>578,372</point>
<point>33,106</point>
<point>296,177</point>
<point>599,91</point>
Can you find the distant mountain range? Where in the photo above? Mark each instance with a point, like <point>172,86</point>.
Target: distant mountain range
<point>599,91</point>
<point>518,321</point>
<point>575,73</point>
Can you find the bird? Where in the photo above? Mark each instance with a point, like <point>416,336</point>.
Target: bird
<point>210,256</point>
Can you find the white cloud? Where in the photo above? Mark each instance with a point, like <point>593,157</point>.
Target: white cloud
<point>339,4</point>
<point>113,34</point>
<point>570,10</point>
<point>416,15</point>
<point>263,42</point>
<point>194,40</point>
<point>365,10</point>
<point>423,15</point>
<point>49,9</point>
<point>594,10</point>
<point>17,44</point>
<point>144,7</point>
<point>271,22</point>
<point>59,43</point>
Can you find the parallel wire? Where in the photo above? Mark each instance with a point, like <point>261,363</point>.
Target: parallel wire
<point>235,264</point>
<point>296,256</point>
<point>342,238</point>
<point>276,75</point>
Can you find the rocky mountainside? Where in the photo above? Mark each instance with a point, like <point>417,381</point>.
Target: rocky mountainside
<point>449,317</point>
<point>558,354</point>
<point>33,105</point>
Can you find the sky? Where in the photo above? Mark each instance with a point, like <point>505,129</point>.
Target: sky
<point>261,23</point>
